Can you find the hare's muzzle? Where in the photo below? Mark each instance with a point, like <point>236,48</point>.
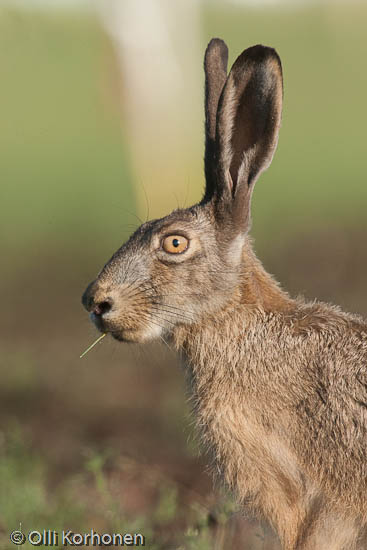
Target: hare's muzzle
<point>97,304</point>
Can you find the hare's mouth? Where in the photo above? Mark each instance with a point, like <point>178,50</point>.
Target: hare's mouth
<point>105,327</point>
<point>98,322</point>
<point>137,332</point>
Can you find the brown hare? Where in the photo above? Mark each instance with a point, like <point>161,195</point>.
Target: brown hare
<point>279,385</point>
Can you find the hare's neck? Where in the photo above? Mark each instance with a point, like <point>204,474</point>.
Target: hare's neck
<point>260,290</point>
<point>228,356</point>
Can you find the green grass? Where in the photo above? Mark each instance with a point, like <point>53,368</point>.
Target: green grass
<point>88,499</point>
<point>25,496</point>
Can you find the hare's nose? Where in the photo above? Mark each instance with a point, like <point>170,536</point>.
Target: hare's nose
<point>102,307</point>
<point>94,304</point>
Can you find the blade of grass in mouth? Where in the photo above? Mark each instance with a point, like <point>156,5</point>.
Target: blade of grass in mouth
<point>92,345</point>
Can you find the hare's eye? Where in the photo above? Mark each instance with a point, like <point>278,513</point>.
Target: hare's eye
<point>175,244</point>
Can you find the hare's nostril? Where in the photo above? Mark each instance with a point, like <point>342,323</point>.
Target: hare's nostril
<point>103,307</point>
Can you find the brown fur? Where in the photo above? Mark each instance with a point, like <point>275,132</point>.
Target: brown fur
<point>276,398</point>
<point>279,386</point>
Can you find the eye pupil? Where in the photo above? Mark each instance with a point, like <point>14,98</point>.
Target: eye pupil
<point>176,243</point>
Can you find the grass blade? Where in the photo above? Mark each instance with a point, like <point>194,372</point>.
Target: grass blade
<point>92,345</point>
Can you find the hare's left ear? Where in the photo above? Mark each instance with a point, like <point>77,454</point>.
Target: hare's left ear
<point>247,128</point>
<point>215,67</point>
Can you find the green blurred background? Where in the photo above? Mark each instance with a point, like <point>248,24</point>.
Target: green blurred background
<point>107,442</point>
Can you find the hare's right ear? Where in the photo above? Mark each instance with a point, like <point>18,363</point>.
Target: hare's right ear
<point>247,126</point>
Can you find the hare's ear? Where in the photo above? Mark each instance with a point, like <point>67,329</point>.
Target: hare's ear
<point>215,67</point>
<point>248,121</point>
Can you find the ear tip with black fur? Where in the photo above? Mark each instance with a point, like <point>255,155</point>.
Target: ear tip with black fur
<point>260,58</point>
<point>259,54</point>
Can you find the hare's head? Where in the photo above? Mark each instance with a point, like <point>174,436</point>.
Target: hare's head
<point>177,269</point>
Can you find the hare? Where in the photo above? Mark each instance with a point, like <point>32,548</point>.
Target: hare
<point>279,385</point>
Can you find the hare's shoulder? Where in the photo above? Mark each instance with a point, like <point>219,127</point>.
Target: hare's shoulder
<point>335,342</point>
<point>315,346</point>
<point>327,320</point>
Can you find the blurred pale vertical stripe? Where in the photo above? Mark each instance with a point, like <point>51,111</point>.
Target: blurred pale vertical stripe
<point>160,60</point>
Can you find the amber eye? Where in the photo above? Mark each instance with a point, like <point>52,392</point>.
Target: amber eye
<point>175,244</point>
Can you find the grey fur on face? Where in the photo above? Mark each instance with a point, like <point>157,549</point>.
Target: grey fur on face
<point>279,386</point>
